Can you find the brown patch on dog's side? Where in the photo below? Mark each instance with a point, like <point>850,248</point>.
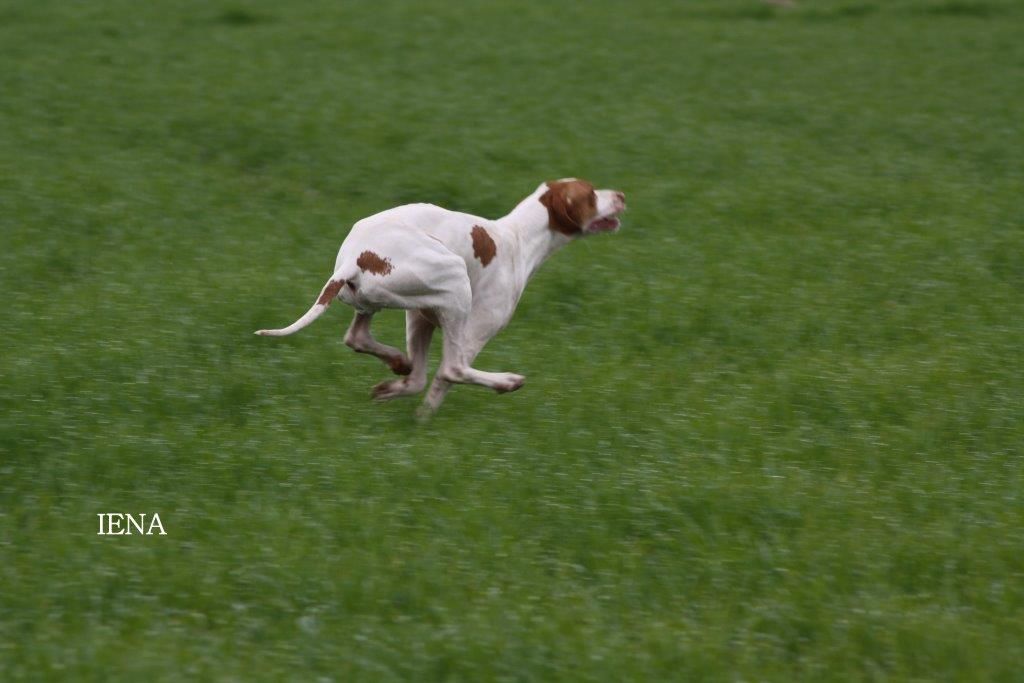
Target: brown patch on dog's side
<point>484,247</point>
<point>571,205</point>
<point>372,263</point>
<point>330,291</point>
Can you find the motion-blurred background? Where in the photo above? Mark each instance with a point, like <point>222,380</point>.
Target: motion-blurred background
<point>772,430</point>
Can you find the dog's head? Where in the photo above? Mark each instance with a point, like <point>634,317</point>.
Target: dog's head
<point>575,208</point>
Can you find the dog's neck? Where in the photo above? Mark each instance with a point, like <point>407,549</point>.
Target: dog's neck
<point>528,225</point>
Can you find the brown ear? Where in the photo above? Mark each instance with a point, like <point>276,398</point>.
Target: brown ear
<point>570,205</point>
<point>559,210</point>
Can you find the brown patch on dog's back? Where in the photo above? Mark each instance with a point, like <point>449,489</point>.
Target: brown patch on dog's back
<point>571,204</point>
<point>330,291</point>
<point>484,247</point>
<point>373,263</point>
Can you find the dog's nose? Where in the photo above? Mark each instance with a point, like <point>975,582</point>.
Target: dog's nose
<point>620,199</point>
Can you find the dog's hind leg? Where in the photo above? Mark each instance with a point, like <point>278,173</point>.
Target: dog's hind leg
<point>359,339</point>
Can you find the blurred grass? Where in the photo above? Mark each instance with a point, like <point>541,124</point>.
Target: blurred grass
<point>772,429</point>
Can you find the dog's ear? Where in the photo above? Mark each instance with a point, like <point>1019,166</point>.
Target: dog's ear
<point>570,205</point>
<point>558,213</point>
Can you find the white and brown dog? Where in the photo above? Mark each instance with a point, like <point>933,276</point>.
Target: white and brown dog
<point>459,272</point>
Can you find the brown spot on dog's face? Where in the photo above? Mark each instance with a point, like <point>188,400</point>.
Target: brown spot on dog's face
<point>571,205</point>
<point>330,291</point>
<point>372,263</point>
<point>484,247</point>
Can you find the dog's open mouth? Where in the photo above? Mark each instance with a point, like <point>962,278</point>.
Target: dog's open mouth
<point>606,224</point>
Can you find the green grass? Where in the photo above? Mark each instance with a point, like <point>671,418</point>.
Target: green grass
<point>772,430</point>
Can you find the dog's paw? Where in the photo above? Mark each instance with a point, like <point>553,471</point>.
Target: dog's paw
<point>424,413</point>
<point>393,388</point>
<point>400,365</point>
<point>510,382</point>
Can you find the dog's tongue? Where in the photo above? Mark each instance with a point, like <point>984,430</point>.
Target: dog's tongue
<point>605,224</point>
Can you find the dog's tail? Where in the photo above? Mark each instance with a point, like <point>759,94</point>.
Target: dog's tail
<point>327,295</point>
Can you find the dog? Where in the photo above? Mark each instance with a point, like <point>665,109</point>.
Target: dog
<point>454,271</point>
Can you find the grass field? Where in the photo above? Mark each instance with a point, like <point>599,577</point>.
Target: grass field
<point>772,430</point>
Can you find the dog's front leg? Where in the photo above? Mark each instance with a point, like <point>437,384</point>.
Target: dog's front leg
<point>464,338</point>
<point>435,397</point>
<point>419,330</point>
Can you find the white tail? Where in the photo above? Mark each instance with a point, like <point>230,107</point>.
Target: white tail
<point>327,295</point>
